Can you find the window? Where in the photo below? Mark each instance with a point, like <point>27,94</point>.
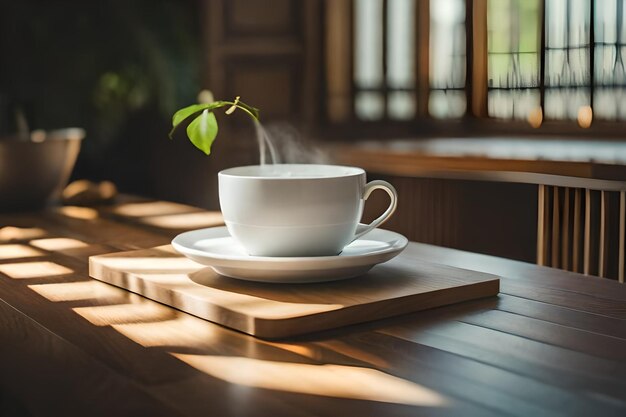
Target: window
<point>544,60</point>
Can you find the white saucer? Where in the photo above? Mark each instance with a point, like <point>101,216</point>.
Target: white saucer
<point>215,247</point>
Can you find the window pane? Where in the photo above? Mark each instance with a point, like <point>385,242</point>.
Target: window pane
<point>447,103</point>
<point>401,105</point>
<point>567,71</point>
<point>513,104</point>
<point>401,58</point>
<point>513,57</point>
<point>447,58</point>
<point>368,58</point>
<point>369,105</point>
<point>368,43</point>
<point>400,43</point>
<point>609,97</point>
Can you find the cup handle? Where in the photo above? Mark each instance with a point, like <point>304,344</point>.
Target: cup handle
<point>393,195</point>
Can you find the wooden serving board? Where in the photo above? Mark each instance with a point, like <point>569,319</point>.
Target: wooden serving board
<point>402,285</point>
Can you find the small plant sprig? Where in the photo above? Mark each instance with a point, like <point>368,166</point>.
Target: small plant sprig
<point>202,128</point>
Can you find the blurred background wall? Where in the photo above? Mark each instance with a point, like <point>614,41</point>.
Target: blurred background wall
<point>116,68</point>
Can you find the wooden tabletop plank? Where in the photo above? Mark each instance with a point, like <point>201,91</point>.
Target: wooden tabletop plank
<point>26,345</point>
<point>554,334</point>
<point>576,319</point>
<point>552,364</point>
<point>525,275</point>
<point>523,388</point>
<point>590,303</point>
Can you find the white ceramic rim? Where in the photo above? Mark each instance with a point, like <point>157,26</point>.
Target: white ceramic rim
<point>400,244</point>
<point>353,171</point>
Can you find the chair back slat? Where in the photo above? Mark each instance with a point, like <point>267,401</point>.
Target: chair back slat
<point>582,230</point>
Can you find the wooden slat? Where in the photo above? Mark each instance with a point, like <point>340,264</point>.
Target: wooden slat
<point>603,246</point>
<point>622,235</point>
<point>565,231</point>
<point>542,243</point>
<point>587,241</point>
<point>576,232</point>
<point>555,229</point>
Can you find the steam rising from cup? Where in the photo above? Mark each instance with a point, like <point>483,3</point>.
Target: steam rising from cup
<point>285,145</point>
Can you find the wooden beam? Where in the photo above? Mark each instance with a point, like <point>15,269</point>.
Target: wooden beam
<point>422,56</point>
<point>338,18</point>
<point>479,63</point>
<point>622,235</point>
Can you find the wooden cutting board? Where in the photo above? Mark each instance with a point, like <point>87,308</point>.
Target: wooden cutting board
<point>402,285</point>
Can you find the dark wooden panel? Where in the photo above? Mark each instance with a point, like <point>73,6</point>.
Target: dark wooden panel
<point>268,52</point>
<point>272,85</point>
<point>253,18</point>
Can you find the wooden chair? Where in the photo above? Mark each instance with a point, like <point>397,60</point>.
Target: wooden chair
<point>581,225</point>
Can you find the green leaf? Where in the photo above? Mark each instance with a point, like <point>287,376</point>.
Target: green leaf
<point>203,130</point>
<point>184,113</point>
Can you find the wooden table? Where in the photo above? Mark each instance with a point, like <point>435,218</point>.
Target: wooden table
<point>552,343</point>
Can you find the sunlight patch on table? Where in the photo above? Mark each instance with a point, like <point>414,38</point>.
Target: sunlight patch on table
<point>73,291</point>
<point>144,264</point>
<point>153,208</point>
<point>338,381</point>
<point>81,213</point>
<point>58,244</point>
<point>184,330</point>
<point>125,313</point>
<point>9,233</point>
<point>24,270</point>
<point>186,220</point>
<point>293,348</point>
<point>16,251</point>
<point>195,297</point>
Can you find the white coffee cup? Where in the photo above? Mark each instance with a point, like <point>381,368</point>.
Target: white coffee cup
<point>297,209</point>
